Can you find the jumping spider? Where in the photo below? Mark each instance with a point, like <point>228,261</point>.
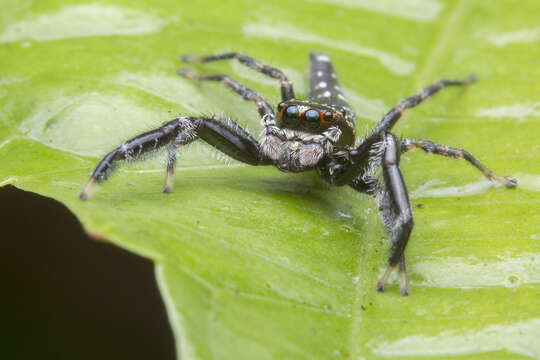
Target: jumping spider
<point>314,134</point>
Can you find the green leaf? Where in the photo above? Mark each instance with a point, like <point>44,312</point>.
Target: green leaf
<point>257,264</point>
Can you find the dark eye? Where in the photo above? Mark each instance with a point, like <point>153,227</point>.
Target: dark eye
<point>328,116</point>
<point>312,119</point>
<point>290,116</point>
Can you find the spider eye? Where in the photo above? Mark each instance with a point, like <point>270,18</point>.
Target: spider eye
<point>312,119</point>
<point>328,116</point>
<point>290,116</point>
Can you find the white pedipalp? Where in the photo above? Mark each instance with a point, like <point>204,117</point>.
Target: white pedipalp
<point>295,150</point>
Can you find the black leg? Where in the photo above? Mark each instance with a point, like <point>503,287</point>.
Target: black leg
<point>395,211</point>
<point>394,208</point>
<point>223,134</point>
<point>134,148</point>
<point>402,221</point>
<point>360,155</point>
<point>431,147</point>
<point>395,114</point>
<point>231,139</point>
<point>287,92</point>
<point>263,107</point>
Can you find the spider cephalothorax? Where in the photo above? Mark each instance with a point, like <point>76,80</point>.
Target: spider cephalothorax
<point>318,133</point>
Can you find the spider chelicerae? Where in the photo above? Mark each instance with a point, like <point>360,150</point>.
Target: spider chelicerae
<point>314,134</point>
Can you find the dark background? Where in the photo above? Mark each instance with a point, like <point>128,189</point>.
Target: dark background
<point>66,296</point>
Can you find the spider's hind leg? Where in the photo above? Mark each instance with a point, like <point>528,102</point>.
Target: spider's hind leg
<point>263,107</point>
<point>287,92</point>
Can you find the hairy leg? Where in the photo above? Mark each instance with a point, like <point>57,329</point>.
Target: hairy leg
<point>394,208</point>
<point>402,220</point>
<point>223,134</point>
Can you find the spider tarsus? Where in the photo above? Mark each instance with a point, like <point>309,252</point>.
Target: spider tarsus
<point>507,182</point>
<point>472,78</point>
<point>87,189</point>
<point>190,74</point>
<point>382,281</point>
<point>188,58</point>
<point>403,288</point>
<point>511,183</point>
<point>404,292</point>
<point>403,280</point>
<point>185,72</point>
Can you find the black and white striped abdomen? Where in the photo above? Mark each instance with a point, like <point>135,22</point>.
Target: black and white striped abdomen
<point>323,83</point>
<point>324,89</point>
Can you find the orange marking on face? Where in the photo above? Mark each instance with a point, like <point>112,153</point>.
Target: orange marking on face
<point>281,112</point>
<point>323,120</point>
<point>322,117</point>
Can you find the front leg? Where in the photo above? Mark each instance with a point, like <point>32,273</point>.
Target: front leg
<point>393,204</point>
<point>399,213</point>
<point>223,134</point>
<point>136,147</point>
<point>287,92</point>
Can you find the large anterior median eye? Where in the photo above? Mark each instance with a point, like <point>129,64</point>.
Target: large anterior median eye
<point>290,116</point>
<point>311,119</point>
